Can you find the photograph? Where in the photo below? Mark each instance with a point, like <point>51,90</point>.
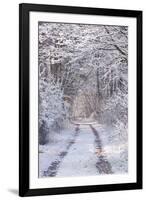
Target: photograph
<point>82,99</point>
<point>80,111</point>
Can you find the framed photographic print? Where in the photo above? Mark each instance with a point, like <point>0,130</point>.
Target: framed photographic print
<point>80,99</point>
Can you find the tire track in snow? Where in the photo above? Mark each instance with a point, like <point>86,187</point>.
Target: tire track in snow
<point>81,159</point>
<point>103,166</point>
<point>53,168</point>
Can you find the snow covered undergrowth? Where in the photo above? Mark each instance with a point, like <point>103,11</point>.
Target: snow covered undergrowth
<point>115,149</point>
<point>81,159</point>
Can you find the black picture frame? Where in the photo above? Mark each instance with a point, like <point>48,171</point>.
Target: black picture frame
<point>24,106</point>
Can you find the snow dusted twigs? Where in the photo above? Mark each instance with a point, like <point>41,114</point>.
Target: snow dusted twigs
<point>53,168</point>
<point>102,164</point>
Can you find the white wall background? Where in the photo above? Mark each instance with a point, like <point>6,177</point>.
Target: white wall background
<point>9,97</point>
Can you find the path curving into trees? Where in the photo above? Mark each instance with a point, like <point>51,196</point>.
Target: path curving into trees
<point>83,77</point>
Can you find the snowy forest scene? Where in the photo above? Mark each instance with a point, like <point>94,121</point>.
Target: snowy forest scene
<point>83,99</point>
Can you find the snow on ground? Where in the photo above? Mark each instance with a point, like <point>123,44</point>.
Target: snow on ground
<point>86,121</point>
<point>81,159</point>
<point>115,149</point>
<point>58,143</point>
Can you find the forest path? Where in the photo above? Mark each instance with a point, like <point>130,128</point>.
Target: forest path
<point>81,159</point>
<point>83,155</point>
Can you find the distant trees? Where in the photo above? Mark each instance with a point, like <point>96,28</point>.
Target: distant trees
<point>78,57</point>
